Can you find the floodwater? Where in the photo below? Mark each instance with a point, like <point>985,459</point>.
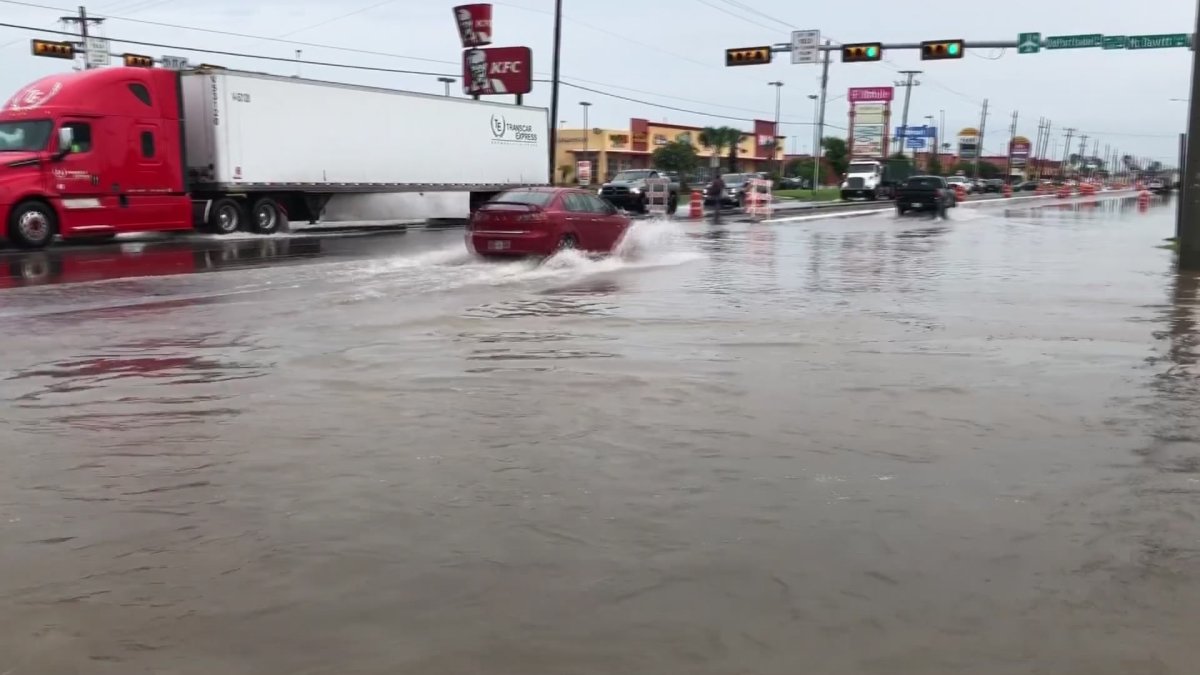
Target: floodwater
<point>867,445</point>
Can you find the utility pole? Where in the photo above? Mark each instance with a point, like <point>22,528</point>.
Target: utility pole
<point>554,87</point>
<point>816,143</point>
<point>982,127</point>
<point>1082,151</point>
<point>84,21</point>
<point>1045,147</point>
<point>1179,180</point>
<point>1066,152</point>
<point>908,84</point>
<point>774,141</point>
<point>1012,136</point>
<point>819,149</point>
<point>1037,145</point>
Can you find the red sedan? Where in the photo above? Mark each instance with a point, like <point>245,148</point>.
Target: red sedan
<point>541,221</point>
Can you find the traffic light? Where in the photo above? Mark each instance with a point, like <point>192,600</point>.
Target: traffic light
<point>747,56</point>
<point>57,50</point>
<point>932,50</point>
<point>138,61</point>
<point>866,51</point>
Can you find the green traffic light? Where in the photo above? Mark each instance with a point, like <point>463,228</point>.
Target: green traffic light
<point>872,52</point>
<point>952,48</point>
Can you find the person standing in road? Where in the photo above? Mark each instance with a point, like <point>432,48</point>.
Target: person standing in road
<point>716,192</point>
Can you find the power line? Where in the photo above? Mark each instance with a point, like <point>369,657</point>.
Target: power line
<point>735,15</point>
<point>348,66</point>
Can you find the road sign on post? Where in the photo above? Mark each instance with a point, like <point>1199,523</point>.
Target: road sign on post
<point>1159,41</point>
<point>1029,43</point>
<point>805,45</point>
<point>915,143</point>
<point>97,52</point>
<point>175,62</point>
<point>1074,41</point>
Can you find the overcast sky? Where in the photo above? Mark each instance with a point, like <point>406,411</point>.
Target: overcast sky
<point>671,53</point>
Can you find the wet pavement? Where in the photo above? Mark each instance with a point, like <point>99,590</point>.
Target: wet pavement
<point>869,445</point>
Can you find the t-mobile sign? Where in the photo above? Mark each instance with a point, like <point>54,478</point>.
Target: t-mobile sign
<point>871,94</point>
<point>497,70</point>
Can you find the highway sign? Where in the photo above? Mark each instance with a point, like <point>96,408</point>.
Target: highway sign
<point>175,62</point>
<point>1074,41</point>
<point>805,45</point>
<point>1159,41</point>
<point>1029,43</point>
<point>1114,42</point>
<point>915,143</point>
<point>97,52</point>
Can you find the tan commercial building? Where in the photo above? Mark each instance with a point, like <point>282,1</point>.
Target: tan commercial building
<point>614,150</point>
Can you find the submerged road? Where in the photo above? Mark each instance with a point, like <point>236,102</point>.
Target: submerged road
<point>870,445</point>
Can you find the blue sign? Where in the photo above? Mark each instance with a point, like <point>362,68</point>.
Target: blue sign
<point>916,143</point>
<point>916,132</point>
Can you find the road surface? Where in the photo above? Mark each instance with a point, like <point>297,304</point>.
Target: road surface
<point>869,446</point>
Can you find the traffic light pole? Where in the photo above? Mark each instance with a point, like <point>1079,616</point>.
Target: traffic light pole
<point>1188,225</point>
<point>784,47</point>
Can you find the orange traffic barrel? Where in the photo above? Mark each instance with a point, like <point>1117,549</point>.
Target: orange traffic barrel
<point>696,205</point>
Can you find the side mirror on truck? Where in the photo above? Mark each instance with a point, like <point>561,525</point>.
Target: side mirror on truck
<point>66,138</point>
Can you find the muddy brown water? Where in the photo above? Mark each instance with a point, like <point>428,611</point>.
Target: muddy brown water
<point>847,446</point>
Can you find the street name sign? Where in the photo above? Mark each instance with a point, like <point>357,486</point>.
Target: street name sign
<point>1029,43</point>
<point>1074,41</point>
<point>805,46</point>
<point>1115,42</point>
<point>1159,41</point>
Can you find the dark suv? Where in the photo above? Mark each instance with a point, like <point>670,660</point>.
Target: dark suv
<point>627,189</point>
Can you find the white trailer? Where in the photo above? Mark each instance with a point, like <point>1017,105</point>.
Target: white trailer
<point>303,141</point>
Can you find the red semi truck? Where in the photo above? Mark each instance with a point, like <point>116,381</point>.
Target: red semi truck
<point>103,152</point>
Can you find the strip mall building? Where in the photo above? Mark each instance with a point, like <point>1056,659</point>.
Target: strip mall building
<point>613,150</point>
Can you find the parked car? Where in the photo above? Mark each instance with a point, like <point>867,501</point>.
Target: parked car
<point>627,189</point>
<point>1027,186</point>
<point>955,181</point>
<point>925,193</point>
<point>735,189</point>
<point>993,185</point>
<point>541,221</point>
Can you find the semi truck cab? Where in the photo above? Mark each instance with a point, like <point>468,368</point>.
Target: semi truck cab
<point>92,154</point>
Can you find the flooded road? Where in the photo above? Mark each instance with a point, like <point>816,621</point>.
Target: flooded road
<point>871,445</point>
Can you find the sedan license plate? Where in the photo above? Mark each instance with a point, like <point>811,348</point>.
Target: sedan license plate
<point>917,205</point>
<point>498,245</point>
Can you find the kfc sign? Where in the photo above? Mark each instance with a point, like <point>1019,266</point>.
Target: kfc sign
<point>497,70</point>
<point>474,25</point>
<point>871,94</point>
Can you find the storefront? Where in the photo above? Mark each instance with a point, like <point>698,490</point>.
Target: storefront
<point>613,150</point>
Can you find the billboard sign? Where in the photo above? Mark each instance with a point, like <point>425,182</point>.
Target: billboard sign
<point>497,70</point>
<point>474,25</point>
<point>871,94</point>
<point>870,113</point>
<point>1019,150</point>
<point>867,140</point>
<point>968,143</point>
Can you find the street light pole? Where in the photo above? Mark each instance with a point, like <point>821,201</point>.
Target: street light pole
<point>446,81</point>
<point>586,132</point>
<point>929,120</point>
<point>1188,225</point>
<point>775,141</point>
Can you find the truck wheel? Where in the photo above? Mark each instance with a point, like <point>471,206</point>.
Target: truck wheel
<point>901,210</point>
<point>268,216</point>
<point>226,217</point>
<point>845,196</point>
<point>871,196</point>
<point>32,225</point>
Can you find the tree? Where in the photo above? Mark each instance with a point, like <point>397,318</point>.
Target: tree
<point>720,138</point>
<point>934,167</point>
<point>676,156</point>
<point>836,154</point>
<point>803,168</point>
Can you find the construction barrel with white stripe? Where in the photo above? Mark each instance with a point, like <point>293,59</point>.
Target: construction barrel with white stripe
<point>758,201</point>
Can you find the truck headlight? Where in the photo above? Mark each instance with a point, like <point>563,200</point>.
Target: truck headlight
<point>636,190</point>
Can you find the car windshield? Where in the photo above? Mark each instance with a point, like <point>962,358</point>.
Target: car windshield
<point>956,179</point>
<point>534,197</point>
<point>734,178</point>
<point>628,176</point>
<point>865,167</point>
<point>24,136</point>
<point>923,182</point>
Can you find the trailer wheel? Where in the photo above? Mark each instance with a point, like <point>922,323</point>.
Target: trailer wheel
<point>32,224</point>
<point>226,217</point>
<point>268,216</point>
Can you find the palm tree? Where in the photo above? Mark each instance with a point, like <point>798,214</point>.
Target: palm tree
<point>719,138</point>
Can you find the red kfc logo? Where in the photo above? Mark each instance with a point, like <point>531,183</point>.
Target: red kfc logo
<point>497,70</point>
<point>474,25</point>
